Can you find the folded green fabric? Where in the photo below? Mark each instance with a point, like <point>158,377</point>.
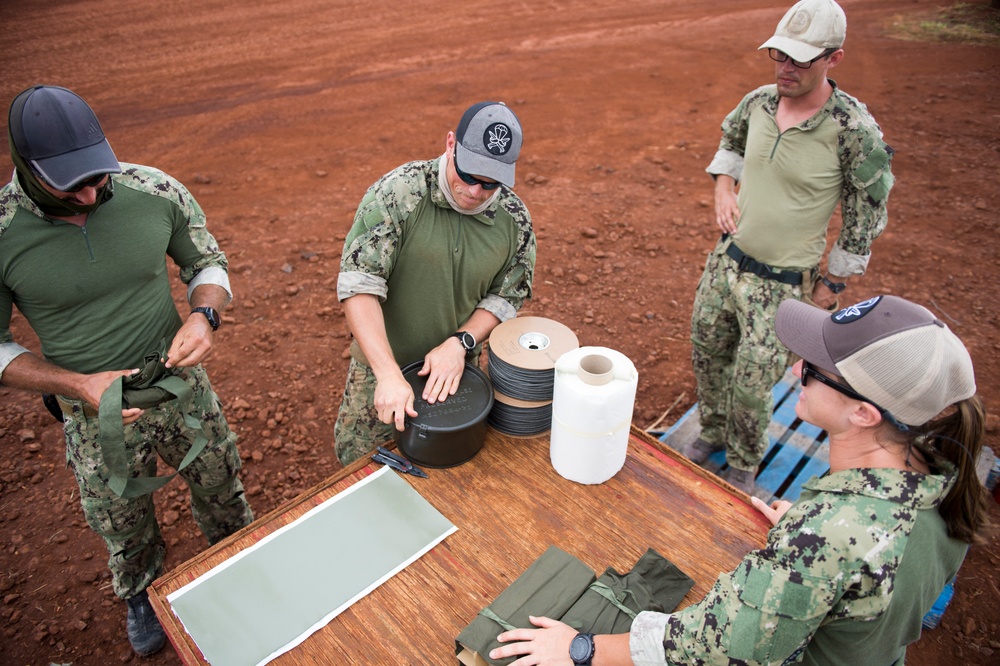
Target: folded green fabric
<point>560,586</point>
<point>549,587</point>
<point>612,602</point>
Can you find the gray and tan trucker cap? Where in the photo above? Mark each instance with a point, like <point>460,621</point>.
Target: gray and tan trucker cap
<point>894,352</point>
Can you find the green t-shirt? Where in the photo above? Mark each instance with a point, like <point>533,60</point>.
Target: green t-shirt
<point>437,264</point>
<point>98,296</point>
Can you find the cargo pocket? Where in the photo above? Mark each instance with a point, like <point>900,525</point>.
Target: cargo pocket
<point>780,611</point>
<point>120,523</point>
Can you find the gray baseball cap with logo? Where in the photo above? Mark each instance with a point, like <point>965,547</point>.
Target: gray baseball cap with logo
<point>58,135</point>
<point>895,353</point>
<point>489,141</point>
<point>809,28</point>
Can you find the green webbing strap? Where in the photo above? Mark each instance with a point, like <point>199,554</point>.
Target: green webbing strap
<point>609,594</point>
<point>487,613</point>
<point>111,437</point>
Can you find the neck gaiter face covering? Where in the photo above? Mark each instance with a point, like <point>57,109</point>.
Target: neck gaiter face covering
<point>446,189</point>
<point>48,202</point>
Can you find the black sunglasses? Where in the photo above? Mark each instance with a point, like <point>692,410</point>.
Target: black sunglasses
<point>469,179</point>
<point>93,181</point>
<point>809,370</point>
<point>781,56</point>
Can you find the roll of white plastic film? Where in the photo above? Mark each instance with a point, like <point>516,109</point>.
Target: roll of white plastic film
<point>592,401</point>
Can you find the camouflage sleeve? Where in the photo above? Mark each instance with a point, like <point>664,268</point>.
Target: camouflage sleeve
<point>760,613</point>
<point>866,161</point>
<point>728,160</point>
<point>513,285</point>
<point>9,350</point>
<point>192,246</point>
<point>372,244</point>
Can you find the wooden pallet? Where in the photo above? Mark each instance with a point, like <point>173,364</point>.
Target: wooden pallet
<point>798,450</point>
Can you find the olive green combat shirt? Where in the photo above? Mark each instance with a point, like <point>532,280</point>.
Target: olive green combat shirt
<point>845,578</point>
<point>791,181</point>
<point>431,266</point>
<point>98,296</point>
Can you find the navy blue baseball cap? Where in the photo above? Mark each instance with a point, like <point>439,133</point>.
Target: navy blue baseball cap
<point>58,135</point>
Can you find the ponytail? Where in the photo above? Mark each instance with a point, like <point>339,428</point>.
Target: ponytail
<point>959,438</point>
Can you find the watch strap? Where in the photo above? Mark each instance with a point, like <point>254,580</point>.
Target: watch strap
<point>467,339</point>
<point>210,314</point>
<point>835,287</point>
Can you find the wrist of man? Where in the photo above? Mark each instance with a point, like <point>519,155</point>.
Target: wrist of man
<point>466,340</point>
<point>833,285</point>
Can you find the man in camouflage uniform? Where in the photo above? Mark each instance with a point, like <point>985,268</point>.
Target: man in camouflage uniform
<point>796,148</point>
<point>441,252</point>
<point>83,246</point>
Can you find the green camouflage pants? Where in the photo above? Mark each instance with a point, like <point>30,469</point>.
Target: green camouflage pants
<point>128,526</point>
<point>736,355</point>
<point>358,429</point>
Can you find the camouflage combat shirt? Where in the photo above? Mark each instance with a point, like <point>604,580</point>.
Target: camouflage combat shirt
<point>791,181</point>
<point>846,577</point>
<point>432,266</point>
<point>98,296</point>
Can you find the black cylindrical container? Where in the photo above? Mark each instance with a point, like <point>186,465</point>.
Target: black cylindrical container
<point>446,433</point>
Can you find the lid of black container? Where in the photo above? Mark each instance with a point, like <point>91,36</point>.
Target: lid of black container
<point>470,404</point>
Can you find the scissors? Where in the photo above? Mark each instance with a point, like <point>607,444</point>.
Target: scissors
<point>398,463</point>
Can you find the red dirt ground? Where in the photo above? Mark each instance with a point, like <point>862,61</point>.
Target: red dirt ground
<point>279,115</point>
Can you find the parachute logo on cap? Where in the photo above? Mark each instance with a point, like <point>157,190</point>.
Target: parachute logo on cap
<point>496,138</point>
<point>855,312</point>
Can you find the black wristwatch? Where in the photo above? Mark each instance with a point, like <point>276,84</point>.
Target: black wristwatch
<point>835,287</point>
<point>211,315</point>
<point>581,649</point>
<point>467,340</point>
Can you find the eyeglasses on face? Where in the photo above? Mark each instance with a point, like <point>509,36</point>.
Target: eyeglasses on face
<point>809,370</point>
<point>93,181</point>
<point>781,56</point>
<point>469,179</point>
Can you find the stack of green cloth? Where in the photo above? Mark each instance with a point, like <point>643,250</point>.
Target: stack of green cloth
<point>560,586</point>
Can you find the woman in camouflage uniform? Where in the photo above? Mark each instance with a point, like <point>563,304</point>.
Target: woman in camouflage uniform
<point>865,551</point>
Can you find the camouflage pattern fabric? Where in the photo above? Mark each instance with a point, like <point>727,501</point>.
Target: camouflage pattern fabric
<point>858,560</point>
<point>358,429</point>
<point>865,159</point>
<point>128,526</point>
<point>736,355</point>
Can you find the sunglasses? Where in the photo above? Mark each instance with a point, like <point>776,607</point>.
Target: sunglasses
<point>469,179</point>
<point>810,371</point>
<point>93,181</point>
<point>781,56</point>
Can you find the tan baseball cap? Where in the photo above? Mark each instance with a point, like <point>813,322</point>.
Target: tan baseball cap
<point>809,28</point>
<point>895,353</point>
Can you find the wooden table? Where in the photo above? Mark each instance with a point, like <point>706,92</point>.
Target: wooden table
<point>509,505</point>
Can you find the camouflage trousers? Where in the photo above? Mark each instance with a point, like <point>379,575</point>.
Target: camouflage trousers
<point>358,429</point>
<point>128,526</point>
<point>736,355</point>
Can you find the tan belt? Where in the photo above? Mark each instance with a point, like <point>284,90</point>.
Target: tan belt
<point>68,406</point>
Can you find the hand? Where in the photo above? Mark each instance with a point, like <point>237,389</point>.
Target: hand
<point>822,296</point>
<point>131,415</point>
<point>94,386</point>
<point>548,645</point>
<point>773,512</point>
<point>192,344</point>
<point>394,400</point>
<point>727,213</point>
<point>443,367</point>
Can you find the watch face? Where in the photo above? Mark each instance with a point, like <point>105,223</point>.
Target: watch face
<point>581,648</point>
